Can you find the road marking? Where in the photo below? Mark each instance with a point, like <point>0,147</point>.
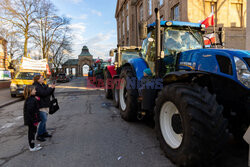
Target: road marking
<point>17,118</point>
<point>8,125</point>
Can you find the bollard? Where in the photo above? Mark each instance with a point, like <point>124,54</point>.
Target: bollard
<point>247,139</point>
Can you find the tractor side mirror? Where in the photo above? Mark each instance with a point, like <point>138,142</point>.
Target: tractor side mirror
<point>111,53</point>
<point>143,30</point>
<point>222,35</point>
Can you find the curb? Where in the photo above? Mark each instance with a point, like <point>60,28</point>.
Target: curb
<point>10,102</point>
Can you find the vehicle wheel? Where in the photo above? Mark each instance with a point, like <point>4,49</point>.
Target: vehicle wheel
<point>98,77</point>
<point>127,96</point>
<point>108,91</point>
<point>13,95</point>
<point>115,95</point>
<point>189,124</point>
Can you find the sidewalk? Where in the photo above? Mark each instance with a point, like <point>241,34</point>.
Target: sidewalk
<point>6,99</point>
<point>4,84</point>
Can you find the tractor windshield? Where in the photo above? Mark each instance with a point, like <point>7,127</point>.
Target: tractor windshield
<point>176,40</point>
<point>126,56</point>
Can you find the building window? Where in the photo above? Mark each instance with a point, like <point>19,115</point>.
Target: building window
<point>149,7</point>
<point>141,12</point>
<point>127,23</point>
<point>236,13</point>
<point>123,29</point>
<point>175,12</point>
<point>161,2</point>
<point>162,18</point>
<point>1,48</point>
<point>119,32</point>
<point>127,41</point>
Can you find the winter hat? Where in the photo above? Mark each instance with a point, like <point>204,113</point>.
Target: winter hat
<point>147,71</point>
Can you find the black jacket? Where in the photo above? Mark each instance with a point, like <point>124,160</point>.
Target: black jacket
<point>44,92</point>
<point>31,111</point>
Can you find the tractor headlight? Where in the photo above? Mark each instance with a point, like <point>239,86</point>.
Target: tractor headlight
<point>243,74</point>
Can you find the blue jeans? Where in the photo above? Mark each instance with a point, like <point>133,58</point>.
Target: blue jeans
<point>42,125</point>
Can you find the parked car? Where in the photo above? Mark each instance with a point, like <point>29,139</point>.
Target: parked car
<point>62,78</point>
<point>21,80</point>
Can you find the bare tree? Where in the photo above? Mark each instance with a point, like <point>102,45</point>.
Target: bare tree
<point>13,45</point>
<point>61,48</point>
<point>49,25</point>
<point>22,14</point>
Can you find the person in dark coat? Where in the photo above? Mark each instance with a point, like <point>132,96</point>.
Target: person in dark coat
<point>31,116</point>
<point>44,92</point>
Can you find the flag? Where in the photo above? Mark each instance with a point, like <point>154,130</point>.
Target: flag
<point>209,21</point>
<point>48,70</point>
<point>209,38</point>
<point>98,61</point>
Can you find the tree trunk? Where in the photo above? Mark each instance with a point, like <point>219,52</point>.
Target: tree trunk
<point>25,49</point>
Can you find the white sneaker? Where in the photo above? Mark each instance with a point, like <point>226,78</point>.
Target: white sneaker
<point>38,145</point>
<point>36,148</point>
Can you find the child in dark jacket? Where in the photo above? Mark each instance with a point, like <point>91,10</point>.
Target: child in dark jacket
<point>31,116</point>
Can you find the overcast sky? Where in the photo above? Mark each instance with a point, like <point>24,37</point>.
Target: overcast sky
<point>93,24</point>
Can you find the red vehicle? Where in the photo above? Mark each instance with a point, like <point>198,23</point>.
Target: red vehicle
<point>112,72</point>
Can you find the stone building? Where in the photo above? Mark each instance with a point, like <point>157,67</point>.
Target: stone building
<point>230,14</point>
<point>248,26</point>
<point>3,54</point>
<point>85,58</point>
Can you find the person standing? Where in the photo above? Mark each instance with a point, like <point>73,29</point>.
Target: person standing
<point>31,116</point>
<point>43,92</point>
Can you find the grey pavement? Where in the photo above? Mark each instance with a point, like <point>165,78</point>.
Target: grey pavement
<point>87,131</point>
<point>6,99</point>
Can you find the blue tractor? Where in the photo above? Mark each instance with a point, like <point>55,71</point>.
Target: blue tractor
<point>196,96</point>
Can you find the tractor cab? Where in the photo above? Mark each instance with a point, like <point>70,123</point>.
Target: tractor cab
<point>176,37</point>
<point>124,53</point>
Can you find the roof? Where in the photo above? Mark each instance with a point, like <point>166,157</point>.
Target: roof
<point>177,24</point>
<point>71,62</point>
<point>85,51</point>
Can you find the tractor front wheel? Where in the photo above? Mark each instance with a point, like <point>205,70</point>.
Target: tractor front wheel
<point>115,93</point>
<point>108,91</point>
<point>189,124</point>
<point>127,96</point>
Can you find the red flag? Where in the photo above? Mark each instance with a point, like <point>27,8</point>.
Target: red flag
<point>48,70</point>
<point>209,39</point>
<point>209,21</point>
<point>98,61</point>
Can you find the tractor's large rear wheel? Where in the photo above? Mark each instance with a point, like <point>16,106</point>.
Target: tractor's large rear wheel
<point>107,86</point>
<point>127,96</point>
<point>189,124</point>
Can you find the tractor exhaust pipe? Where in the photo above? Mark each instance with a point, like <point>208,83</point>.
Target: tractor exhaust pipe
<point>158,41</point>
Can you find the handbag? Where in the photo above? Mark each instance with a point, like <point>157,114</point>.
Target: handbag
<point>53,106</point>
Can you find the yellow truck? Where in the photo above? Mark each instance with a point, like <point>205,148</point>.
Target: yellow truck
<point>21,80</point>
<point>24,77</point>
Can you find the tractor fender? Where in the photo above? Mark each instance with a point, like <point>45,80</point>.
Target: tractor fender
<point>138,65</point>
<point>222,86</point>
<point>181,76</point>
<point>111,70</point>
